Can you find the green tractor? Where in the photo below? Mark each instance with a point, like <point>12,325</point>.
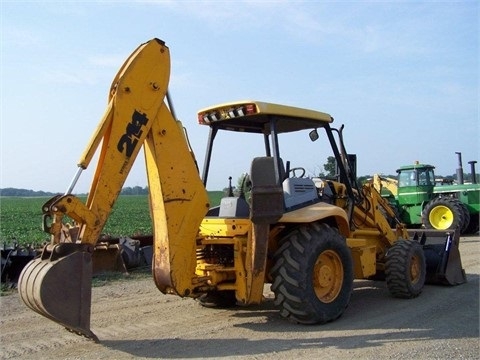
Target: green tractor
<point>421,200</point>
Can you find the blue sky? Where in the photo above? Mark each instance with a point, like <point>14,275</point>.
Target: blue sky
<point>403,76</point>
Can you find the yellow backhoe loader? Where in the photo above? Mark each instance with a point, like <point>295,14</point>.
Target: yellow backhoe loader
<point>307,237</point>
<point>386,184</point>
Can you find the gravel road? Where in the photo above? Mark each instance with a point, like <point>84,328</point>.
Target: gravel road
<point>133,320</point>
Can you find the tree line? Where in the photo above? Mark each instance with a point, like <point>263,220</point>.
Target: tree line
<point>330,168</point>
<point>136,190</point>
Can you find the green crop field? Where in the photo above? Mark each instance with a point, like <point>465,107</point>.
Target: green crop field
<point>21,218</point>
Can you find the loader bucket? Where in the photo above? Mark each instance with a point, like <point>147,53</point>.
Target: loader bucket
<point>107,258</point>
<point>57,285</point>
<point>442,256</point>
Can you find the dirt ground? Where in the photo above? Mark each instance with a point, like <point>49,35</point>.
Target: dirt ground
<point>133,320</point>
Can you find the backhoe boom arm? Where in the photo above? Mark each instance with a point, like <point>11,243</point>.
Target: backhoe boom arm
<point>136,116</point>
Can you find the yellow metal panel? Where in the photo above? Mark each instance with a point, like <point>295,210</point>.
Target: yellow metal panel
<point>256,262</point>
<point>317,212</point>
<point>140,88</point>
<point>275,109</point>
<point>364,261</point>
<point>353,242</point>
<point>179,202</point>
<point>224,227</point>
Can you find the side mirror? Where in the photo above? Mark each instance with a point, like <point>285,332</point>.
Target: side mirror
<point>313,135</point>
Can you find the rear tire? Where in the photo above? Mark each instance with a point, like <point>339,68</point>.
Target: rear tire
<point>466,216</point>
<point>405,269</point>
<point>312,275</point>
<point>443,214</point>
<point>473,224</point>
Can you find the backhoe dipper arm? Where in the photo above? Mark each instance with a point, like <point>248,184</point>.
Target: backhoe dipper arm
<point>58,284</point>
<point>178,201</point>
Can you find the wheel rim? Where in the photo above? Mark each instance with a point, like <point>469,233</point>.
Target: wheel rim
<point>415,269</point>
<point>328,276</point>
<point>441,217</point>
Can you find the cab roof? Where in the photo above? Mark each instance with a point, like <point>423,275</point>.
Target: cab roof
<point>254,116</point>
<point>415,166</point>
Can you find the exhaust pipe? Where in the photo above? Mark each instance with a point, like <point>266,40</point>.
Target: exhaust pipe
<point>460,168</point>
<point>472,171</point>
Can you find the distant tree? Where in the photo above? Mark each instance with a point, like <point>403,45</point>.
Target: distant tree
<point>243,184</point>
<point>136,190</point>
<point>24,192</point>
<point>467,177</point>
<point>363,179</point>
<point>330,167</point>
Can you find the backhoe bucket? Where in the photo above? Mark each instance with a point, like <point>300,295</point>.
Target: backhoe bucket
<point>57,285</point>
<point>444,264</point>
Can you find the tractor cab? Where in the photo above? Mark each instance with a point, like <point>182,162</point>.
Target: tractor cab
<point>416,181</point>
<point>415,188</point>
<point>268,161</point>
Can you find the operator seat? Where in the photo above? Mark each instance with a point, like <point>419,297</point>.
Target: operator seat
<point>267,193</point>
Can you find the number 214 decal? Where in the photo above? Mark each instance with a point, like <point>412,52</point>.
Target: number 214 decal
<point>133,132</point>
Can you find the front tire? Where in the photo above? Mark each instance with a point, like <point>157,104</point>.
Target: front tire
<point>405,269</point>
<point>312,275</point>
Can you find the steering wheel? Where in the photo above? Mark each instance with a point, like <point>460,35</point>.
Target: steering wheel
<point>293,171</point>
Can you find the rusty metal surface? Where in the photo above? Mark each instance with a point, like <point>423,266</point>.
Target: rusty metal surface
<point>57,285</point>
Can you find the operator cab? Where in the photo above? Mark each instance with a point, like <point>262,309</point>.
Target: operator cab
<point>269,174</point>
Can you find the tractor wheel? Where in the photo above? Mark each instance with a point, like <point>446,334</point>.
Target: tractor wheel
<point>443,214</point>
<point>405,269</point>
<point>313,274</point>
<point>473,224</point>
<point>466,216</point>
